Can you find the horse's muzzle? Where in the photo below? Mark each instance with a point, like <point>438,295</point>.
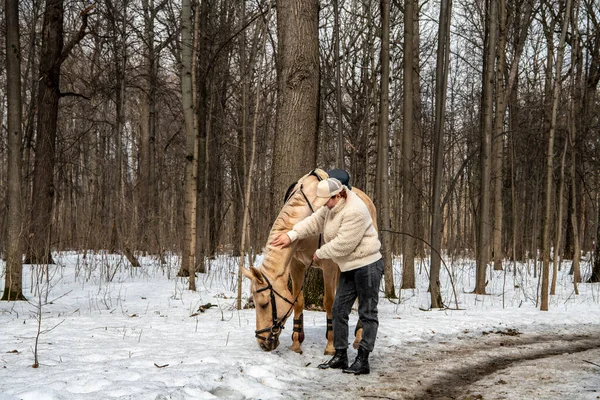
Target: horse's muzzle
<point>269,345</point>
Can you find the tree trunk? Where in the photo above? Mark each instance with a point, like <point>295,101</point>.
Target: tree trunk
<point>498,139</point>
<point>294,153</point>
<point>550,160</point>
<point>483,242</point>
<point>147,170</point>
<point>441,82</point>
<point>245,237</point>
<point>383,153</point>
<point>39,246</point>
<point>572,216</point>
<point>119,239</point>
<point>596,267</point>
<point>146,116</point>
<point>587,109</point>
<point>559,222</point>
<point>338,86</point>
<point>421,224</point>
<point>13,282</point>
<point>513,202</point>
<point>408,192</point>
<point>32,77</point>
<point>521,26</point>
<point>53,54</point>
<point>201,90</point>
<point>575,123</point>
<point>240,167</point>
<point>188,261</point>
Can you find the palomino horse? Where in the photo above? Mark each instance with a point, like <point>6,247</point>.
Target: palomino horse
<point>272,299</point>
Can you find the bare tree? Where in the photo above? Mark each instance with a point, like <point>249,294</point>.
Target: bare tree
<point>576,82</point>
<point>239,175</point>
<point>188,261</point>
<point>441,82</point>
<point>295,143</point>
<point>486,145</point>
<point>498,139</point>
<point>340,160</point>
<point>505,80</point>
<point>298,90</point>
<point>147,180</point>
<point>54,53</point>
<point>596,267</point>
<point>201,92</point>
<point>550,159</point>
<point>383,152</point>
<point>250,172</point>
<point>13,285</point>
<point>556,259</point>
<point>408,193</point>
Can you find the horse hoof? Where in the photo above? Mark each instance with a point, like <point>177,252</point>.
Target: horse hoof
<point>296,349</point>
<point>329,352</point>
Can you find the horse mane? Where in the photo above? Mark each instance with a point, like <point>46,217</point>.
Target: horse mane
<point>288,215</point>
<point>276,259</point>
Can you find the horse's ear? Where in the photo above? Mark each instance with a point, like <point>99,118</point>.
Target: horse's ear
<point>246,272</point>
<point>256,274</point>
<point>252,273</point>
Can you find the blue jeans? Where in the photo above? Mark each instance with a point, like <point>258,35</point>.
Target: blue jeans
<point>361,283</point>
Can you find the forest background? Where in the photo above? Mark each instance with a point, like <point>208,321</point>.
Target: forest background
<point>154,127</point>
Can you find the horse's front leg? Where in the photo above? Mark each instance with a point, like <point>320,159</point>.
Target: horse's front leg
<point>297,272</point>
<point>331,275</point>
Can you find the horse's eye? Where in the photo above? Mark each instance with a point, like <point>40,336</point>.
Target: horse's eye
<point>263,306</point>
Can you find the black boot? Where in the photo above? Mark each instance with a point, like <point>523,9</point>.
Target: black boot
<point>338,361</point>
<point>361,364</point>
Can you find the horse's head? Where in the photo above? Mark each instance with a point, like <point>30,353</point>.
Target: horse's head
<point>273,303</point>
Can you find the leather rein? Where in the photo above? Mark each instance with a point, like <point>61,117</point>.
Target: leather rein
<point>278,324</point>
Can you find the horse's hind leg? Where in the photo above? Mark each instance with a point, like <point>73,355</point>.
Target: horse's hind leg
<point>331,275</point>
<point>297,271</point>
<point>357,334</point>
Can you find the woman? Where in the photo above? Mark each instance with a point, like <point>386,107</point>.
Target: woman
<point>351,241</point>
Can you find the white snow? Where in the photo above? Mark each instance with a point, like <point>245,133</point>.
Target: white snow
<point>110,331</point>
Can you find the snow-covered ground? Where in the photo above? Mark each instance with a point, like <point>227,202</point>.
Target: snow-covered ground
<point>110,331</point>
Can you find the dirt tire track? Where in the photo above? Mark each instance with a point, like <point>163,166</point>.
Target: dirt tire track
<point>458,381</point>
<point>448,373</point>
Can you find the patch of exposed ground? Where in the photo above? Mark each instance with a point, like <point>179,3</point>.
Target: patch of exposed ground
<point>480,368</point>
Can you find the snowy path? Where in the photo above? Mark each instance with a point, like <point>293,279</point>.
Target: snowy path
<point>519,363</point>
<point>498,365</point>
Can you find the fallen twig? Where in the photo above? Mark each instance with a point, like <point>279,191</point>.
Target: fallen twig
<point>63,295</point>
<point>589,362</point>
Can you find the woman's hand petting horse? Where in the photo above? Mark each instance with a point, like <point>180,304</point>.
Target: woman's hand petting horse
<point>283,240</point>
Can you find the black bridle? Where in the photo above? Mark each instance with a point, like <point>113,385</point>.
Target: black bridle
<point>278,324</point>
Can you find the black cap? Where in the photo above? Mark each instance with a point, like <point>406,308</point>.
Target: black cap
<point>341,175</point>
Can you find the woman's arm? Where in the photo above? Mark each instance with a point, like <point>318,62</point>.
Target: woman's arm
<point>309,226</point>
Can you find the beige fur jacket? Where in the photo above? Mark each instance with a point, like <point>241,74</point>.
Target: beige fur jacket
<point>350,238</point>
